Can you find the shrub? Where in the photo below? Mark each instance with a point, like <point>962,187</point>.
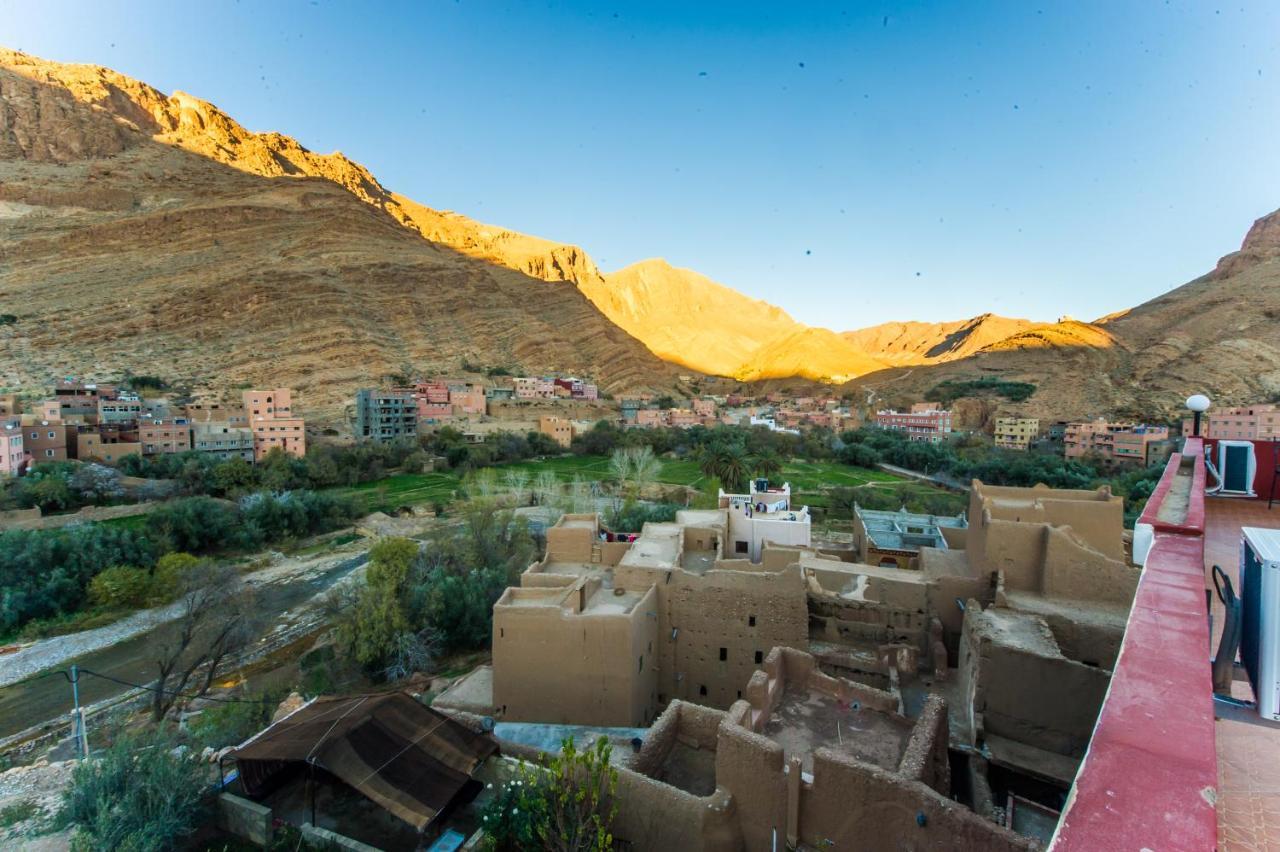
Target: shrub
<point>566,803</point>
<point>139,794</point>
<point>231,724</point>
<point>120,586</point>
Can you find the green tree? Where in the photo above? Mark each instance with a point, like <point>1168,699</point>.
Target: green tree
<point>728,462</point>
<point>369,629</point>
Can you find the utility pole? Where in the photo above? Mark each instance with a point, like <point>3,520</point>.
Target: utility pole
<point>77,717</point>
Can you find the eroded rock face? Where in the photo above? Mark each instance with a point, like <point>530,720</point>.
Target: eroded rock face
<point>1262,243</point>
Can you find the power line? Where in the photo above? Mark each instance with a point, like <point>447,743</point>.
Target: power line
<point>40,676</point>
<point>172,691</point>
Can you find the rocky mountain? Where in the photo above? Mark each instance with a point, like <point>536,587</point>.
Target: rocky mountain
<point>689,319</point>
<point>1218,334</point>
<point>906,343</point>
<point>154,234</point>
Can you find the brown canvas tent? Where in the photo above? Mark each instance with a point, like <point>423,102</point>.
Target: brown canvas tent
<point>397,752</point>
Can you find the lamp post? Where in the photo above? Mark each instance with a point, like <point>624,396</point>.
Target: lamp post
<point>1199,404</point>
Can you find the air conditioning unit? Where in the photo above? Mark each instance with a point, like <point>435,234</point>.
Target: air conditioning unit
<point>1260,616</point>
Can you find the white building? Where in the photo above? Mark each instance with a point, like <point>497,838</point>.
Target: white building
<point>766,514</point>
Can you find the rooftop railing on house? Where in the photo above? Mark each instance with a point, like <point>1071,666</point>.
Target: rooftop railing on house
<point>1149,778</point>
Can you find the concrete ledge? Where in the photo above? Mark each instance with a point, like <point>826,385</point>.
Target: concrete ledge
<point>325,838</point>
<point>243,818</point>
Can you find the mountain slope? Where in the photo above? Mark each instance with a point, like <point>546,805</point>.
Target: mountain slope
<point>1217,334</point>
<point>907,343</point>
<point>151,233</point>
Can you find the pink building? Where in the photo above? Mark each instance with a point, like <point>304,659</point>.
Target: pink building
<point>434,392</point>
<point>1243,423</point>
<point>924,422</point>
<point>271,418</point>
<point>651,417</point>
<point>590,391</point>
<point>683,418</point>
<point>468,401</point>
<point>434,412</point>
<point>13,457</point>
<point>1124,442</point>
<point>704,407</point>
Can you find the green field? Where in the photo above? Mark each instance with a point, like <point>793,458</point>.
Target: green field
<point>808,480</point>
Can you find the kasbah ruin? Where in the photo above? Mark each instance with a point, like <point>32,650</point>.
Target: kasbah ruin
<point>785,694</point>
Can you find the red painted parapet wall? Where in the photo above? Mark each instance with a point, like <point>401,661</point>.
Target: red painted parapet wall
<point>1149,778</point>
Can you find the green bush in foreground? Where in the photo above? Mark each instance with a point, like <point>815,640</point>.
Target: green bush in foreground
<point>565,804</point>
<point>138,795</point>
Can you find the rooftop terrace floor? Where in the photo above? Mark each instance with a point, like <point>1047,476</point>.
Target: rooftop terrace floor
<point>1248,754</point>
<point>806,720</point>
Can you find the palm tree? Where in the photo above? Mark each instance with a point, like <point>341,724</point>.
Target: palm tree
<point>767,464</point>
<point>728,463</point>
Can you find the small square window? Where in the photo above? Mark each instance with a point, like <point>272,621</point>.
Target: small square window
<point>751,621</point>
<point>724,654</point>
<point>759,657</point>
<point>739,547</point>
<point>702,690</point>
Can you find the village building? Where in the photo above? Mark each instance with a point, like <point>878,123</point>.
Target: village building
<point>926,421</point>
<point>894,539</point>
<point>1116,442</point>
<point>764,514</point>
<point>13,454</point>
<point>47,440</point>
<point>557,429</point>
<point>1016,433</point>
<point>273,422</point>
<point>223,441</point>
<point>387,415</point>
<point>1241,423</point>
<point>161,437</point>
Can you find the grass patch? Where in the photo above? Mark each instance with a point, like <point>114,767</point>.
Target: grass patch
<point>130,522</point>
<point>17,812</point>
<point>412,489</point>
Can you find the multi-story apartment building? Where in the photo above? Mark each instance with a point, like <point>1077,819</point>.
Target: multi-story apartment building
<point>528,387</point>
<point>650,417</point>
<point>273,422</point>
<point>1112,441</point>
<point>160,436</point>
<point>122,409</point>
<point>222,440</point>
<point>1016,433</point>
<point>386,416</point>
<point>704,407</point>
<point>1242,423</point>
<point>925,421</point>
<point>46,440</point>
<point>13,455</point>
<point>558,429</point>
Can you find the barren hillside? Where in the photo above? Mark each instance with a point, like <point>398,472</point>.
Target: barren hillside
<point>907,343</point>
<point>691,320</point>
<point>152,233</point>
<point>1218,334</point>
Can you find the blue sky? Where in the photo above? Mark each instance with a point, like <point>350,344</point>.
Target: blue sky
<point>852,163</point>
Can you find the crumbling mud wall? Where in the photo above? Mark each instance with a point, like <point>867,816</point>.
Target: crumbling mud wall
<point>1016,684</point>
<point>851,805</point>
